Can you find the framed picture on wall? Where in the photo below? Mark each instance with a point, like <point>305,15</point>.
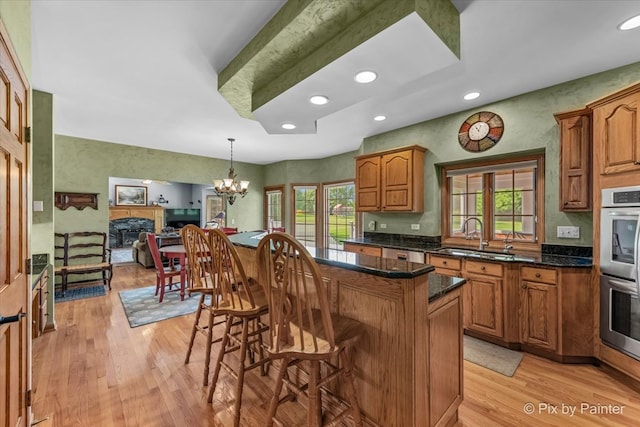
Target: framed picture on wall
<point>131,195</point>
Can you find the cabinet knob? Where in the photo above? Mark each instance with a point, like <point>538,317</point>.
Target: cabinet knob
<point>537,274</point>
<point>444,262</point>
<point>636,163</point>
<point>524,286</point>
<point>483,268</point>
<point>566,203</point>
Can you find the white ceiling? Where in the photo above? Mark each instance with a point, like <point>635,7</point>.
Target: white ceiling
<point>144,73</point>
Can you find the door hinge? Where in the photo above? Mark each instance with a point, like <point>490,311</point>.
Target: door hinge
<point>28,397</point>
<point>27,133</point>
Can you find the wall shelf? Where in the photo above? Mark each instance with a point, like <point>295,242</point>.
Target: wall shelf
<point>64,199</point>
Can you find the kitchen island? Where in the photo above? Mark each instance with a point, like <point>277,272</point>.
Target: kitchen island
<point>408,364</point>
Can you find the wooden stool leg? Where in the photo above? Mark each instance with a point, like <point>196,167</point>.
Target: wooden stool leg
<point>349,380</point>
<point>240,382</point>
<point>194,329</point>
<point>216,372</point>
<point>275,399</point>
<point>314,416</point>
<point>207,356</point>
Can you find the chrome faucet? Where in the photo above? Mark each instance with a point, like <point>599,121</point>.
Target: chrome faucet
<point>483,243</point>
<point>507,246</point>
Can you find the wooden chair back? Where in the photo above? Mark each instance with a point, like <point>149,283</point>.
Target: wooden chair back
<point>199,260</point>
<point>299,316</point>
<point>234,290</point>
<point>155,253</point>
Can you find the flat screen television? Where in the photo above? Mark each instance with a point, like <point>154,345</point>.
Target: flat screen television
<point>178,218</point>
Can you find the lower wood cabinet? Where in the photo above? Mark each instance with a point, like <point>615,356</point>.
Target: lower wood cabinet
<point>483,308</point>
<point>39,305</point>
<point>539,315</point>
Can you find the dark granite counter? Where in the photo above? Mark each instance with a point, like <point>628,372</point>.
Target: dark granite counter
<point>551,259</point>
<point>440,285</point>
<point>383,267</point>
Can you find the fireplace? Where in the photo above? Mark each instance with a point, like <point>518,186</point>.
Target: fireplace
<point>124,231</point>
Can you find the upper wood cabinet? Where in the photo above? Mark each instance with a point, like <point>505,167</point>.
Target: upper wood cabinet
<point>391,180</point>
<point>616,131</point>
<point>575,160</point>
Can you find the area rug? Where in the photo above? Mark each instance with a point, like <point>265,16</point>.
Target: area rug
<point>119,256</point>
<point>496,358</point>
<point>142,307</point>
<point>80,293</point>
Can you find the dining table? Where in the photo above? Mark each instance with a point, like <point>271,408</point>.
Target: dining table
<point>179,253</point>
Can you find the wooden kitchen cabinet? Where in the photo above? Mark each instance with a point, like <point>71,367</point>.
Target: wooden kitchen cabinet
<point>363,249</point>
<point>616,131</point>
<point>39,305</point>
<point>447,266</point>
<point>575,160</point>
<point>539,308</point>
<point>391,181</point>
<point>483,303</point>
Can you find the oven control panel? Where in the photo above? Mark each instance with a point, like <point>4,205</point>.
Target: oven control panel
<point>624,196</point>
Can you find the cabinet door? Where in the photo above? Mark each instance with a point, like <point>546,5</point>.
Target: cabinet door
<point>363,249</point>
<point>617,134</point>
<point>483,308</point>
<point>539,321</point>
<point>575,162</point>
<point>397,178</point>
<point>368,184</point>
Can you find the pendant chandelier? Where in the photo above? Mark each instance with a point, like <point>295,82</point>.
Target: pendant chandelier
<point>229,187</point>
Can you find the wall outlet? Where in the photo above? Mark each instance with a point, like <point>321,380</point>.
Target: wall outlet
<point>372,226</point>
<point>415,226</point>
<point>233,221</point>
<point>383,225</point>
<point>569,232</point>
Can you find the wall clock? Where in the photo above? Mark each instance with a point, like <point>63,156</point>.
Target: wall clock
<point>480,131</point>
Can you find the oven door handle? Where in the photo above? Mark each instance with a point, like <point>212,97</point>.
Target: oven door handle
<point>622,286</point>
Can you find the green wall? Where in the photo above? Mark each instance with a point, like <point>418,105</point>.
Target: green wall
<point>16,15</point>
<point>83,165</point>
<point>529,125</point>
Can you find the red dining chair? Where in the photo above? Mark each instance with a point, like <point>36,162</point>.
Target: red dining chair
<point>164,275</point>
<point>278,229</point>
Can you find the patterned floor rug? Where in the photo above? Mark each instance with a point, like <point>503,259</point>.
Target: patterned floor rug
<point>80,293</point>
<point>121,255</point>
<point>496,358</point>
<point>142,307</point>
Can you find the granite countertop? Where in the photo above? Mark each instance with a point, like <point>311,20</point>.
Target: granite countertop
<point>440,285</point>
<point>384,267</point>
<point>543,259</point>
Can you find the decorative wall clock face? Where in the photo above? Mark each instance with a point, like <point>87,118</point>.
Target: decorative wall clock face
<point>480,131</point>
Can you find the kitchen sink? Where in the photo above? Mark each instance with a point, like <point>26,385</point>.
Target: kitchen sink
<point>495,256</point>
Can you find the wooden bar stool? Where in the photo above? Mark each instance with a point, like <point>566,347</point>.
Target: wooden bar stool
<point>243,302</point>
<point>302,329</point>
<point>202,280</point>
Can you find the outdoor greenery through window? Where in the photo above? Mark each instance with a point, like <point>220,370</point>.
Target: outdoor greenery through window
<point>503,197</point>
<point>340,214</point>
<point>304,202</point>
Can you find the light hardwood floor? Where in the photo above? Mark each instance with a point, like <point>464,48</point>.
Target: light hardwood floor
<point>95,370</point>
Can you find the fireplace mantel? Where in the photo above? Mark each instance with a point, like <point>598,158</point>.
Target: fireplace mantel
<point>155,213</point>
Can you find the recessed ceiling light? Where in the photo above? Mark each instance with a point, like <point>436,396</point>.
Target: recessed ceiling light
<point>380,118</point>
<point>318,99</point>
<point>630,23</point>
<point>471,95</point>
<point>366,76</point>
<point>288,126</point>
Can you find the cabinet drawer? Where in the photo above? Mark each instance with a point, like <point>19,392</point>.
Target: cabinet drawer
<point>445,262</point>
<point>484,268</point>
<point>363,249</point>
<point>544,275</point>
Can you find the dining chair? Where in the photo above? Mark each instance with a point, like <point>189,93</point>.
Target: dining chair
<point>164,275</point>
<point>243,302</point>
<point>229,230</point>
<point>302,329</point>
<point>280,229</point>
<point>201,279</point>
